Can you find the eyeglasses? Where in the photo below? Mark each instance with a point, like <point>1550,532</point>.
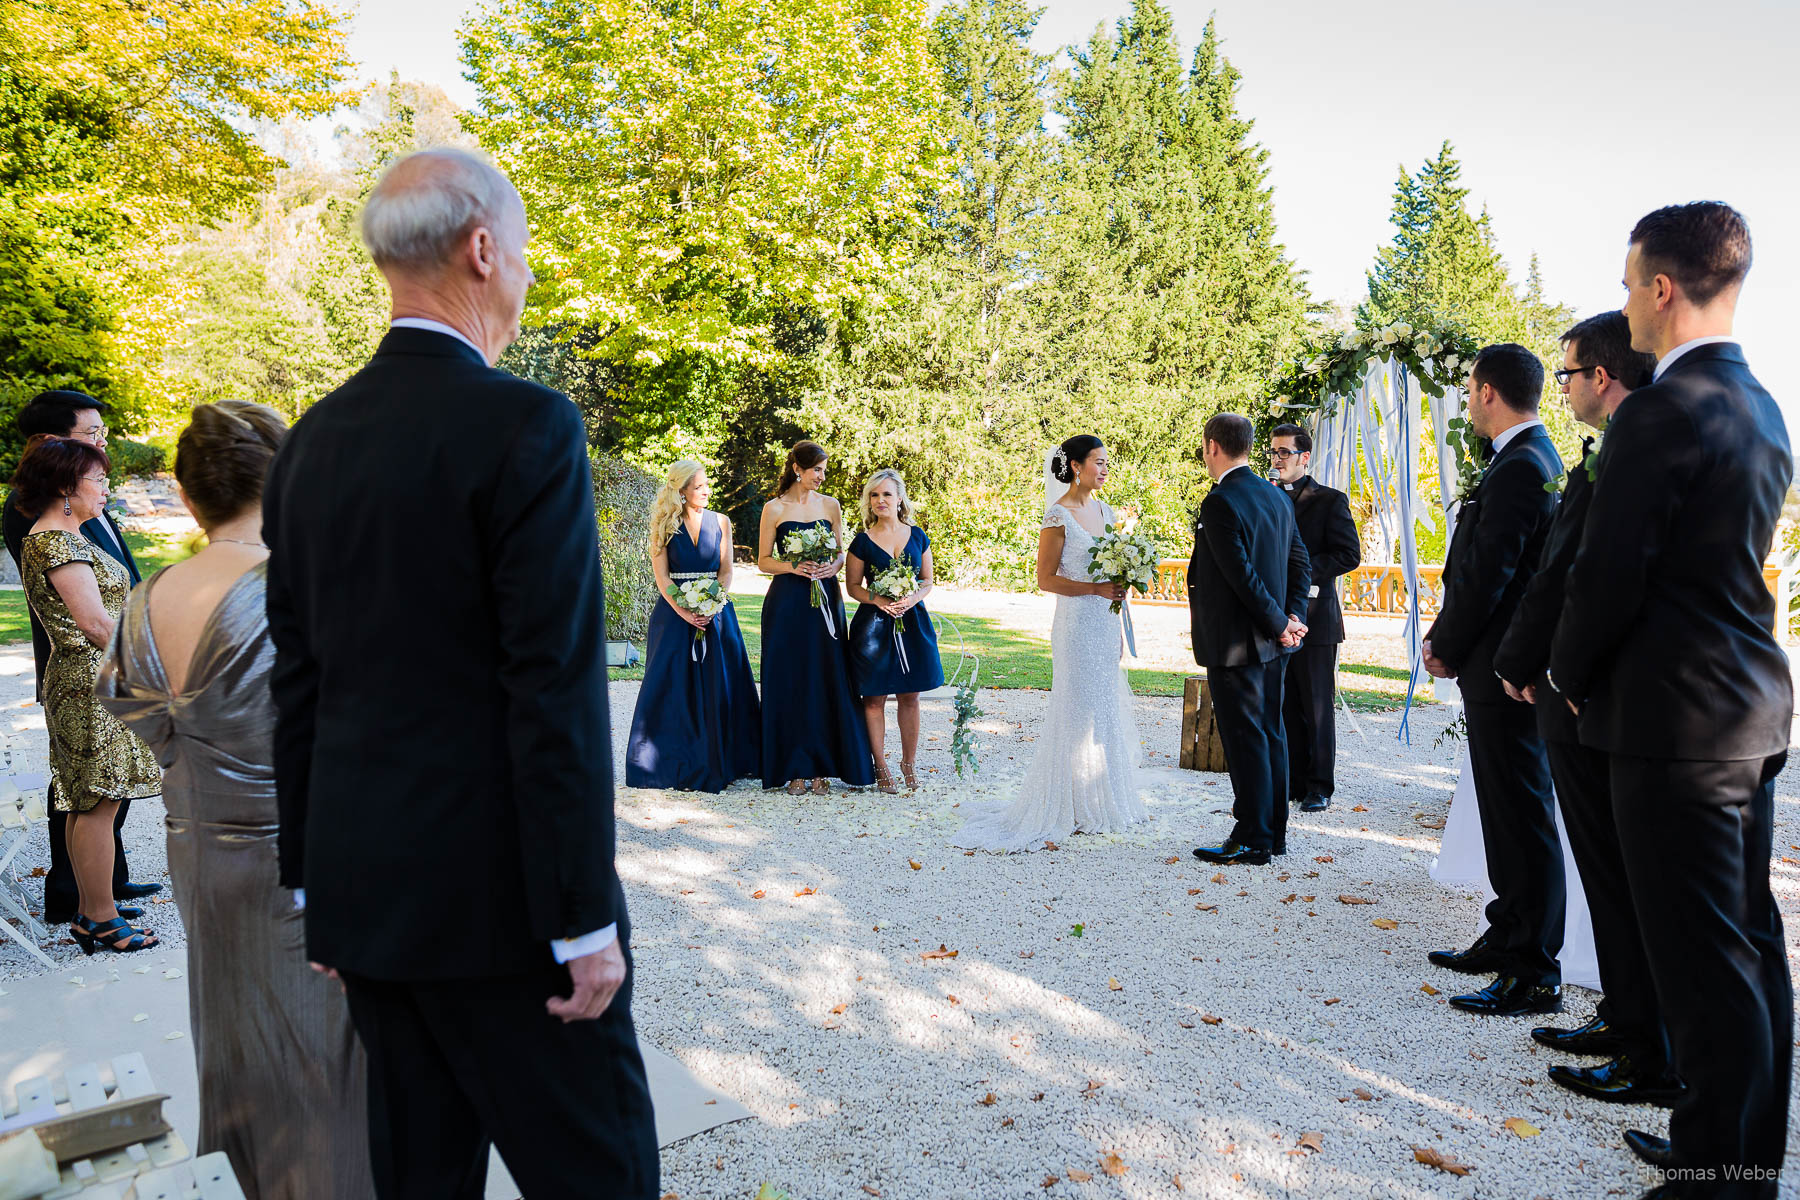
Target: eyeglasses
<point>99,479</point>
<point>1282,454</point>
<point>1563,374</point>
<point>98,431</point>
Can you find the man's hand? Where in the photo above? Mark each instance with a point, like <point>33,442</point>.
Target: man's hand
<point>1572,707</point>
<point>1295,632</point>
<point>597,978</point>
<point>1434,665</point>
<point>1514,692</point>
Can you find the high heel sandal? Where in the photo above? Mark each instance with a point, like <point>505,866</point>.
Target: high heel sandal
<point>884,779</point>
<point>91,937</point>
<point>906,773</point>
<point>821,787</point>
<point>796,787</point>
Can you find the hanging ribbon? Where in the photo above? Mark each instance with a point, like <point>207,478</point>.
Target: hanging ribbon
<point>822,601</point>
<point>1125,618</point>
<point>900,647</point>
<point>697,652</point>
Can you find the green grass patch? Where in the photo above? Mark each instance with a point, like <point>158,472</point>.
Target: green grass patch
<point>1374,671</point>
<point>1014,658</point>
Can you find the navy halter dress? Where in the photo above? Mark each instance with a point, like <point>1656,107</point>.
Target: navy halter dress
<point>698,725</point>
<point>883,662</point>
<point>812,720</point>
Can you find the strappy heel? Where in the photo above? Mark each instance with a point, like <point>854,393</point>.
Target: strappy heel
<point>906,773</point>
<point>821,787</point>
<point>91,937</point>
<point>884,779</point>
<point>796,787</point>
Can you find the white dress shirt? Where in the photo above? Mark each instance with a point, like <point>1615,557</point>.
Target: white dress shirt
<point>1668,360</point>
<point>1240,467</point>
<point>562,949</point>
<point>1500,442</point>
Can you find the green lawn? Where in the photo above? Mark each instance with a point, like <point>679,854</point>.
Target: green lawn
<point>151,551</point>
<point>1011,658</point>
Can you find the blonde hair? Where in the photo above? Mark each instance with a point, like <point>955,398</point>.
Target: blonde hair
<point>665,510</point>
<point>903,507</point>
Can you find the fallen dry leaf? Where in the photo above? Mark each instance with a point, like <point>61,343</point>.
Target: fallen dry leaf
<point>1078,1176</point>
<point>1050,1181</point>
<point>757,894</point>
<point>807,892</point>
<point>990,1099</point>
<point>1027,953</point>
<point>870,1190</point>
<point>1359,808</point>
<point>1171,860</point>
<point>953,999</point>
<point>1178,1186</point>
<point>1185,1024</point>
<point>1113,1165</point>
<point>1211,1020</point>
<point>915,864</point>
<point>1113,985</point>
<point>1362,1093</point>
<point>940,952</point>
<point>1093,1085</point>
<point>1290,897</point>
<point>1051,846</point>
<point>1521,1126</point>
<point>1207,907</point>
<point>1324,858</point>
<point>38,872</point>
<point>1218,878</point>
<point>1385,923</point>
<point>838,1008</point>
<point>1443,1162</point>
<point>1428,989</point>
<point>1354,900</point>
<point>1334,1000</point>
<point>1193,891</point>
<point>1005,1123</point>
<point>1312,1141</point>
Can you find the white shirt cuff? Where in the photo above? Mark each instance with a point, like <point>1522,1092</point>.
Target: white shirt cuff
<point>588,943</point>
<point>299,897</point>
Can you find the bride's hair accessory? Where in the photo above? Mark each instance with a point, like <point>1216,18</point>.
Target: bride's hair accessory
<point>1059,461</point>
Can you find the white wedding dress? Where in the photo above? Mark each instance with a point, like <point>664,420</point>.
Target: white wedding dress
<point>1083,778</point>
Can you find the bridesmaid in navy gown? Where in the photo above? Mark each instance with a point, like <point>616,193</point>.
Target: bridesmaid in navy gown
<point>815,727</point>
<point>698,725</point>
<point>885,660</point>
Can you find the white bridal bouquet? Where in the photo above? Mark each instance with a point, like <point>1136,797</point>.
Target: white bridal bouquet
<point>704,596</point>
<point>1128,559</point>
<point>896,581</point>
<point>816,544</point>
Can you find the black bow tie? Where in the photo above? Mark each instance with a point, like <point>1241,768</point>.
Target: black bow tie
<point>1486,449</point>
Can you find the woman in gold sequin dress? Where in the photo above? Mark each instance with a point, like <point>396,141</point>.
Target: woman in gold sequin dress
<point>78,593</point>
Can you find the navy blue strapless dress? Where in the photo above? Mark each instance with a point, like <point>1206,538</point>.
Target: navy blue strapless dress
<point>698,725</point>
<point>814,726</point>
<point>875,659</point>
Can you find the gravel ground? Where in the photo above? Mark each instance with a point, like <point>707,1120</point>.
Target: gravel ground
<point>1251,1008</point>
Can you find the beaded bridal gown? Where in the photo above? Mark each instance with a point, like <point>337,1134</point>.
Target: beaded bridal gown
<point>1083,778</point>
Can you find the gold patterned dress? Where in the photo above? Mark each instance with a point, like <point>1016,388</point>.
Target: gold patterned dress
<point>92,756</point>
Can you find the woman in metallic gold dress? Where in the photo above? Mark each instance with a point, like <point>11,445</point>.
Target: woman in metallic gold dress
<point>283,1088</point>
<point>78,591</point>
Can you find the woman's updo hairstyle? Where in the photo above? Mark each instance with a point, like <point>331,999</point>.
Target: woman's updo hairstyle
<point>804,456</point>
<point>1074,452</point>
<point>223,456</point>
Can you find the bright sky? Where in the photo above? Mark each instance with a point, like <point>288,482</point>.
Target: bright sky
<point>1571,121</point>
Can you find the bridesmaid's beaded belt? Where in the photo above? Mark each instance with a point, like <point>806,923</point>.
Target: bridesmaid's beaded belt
<point>693,574</point>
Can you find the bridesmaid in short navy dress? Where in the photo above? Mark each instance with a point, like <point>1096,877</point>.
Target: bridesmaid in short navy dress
<point>884,659</point>
<point>698,725</point>
<point>812,719</point>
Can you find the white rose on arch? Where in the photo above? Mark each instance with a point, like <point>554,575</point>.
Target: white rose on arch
<point>1401,329</point>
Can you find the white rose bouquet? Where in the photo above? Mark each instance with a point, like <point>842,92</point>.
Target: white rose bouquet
<point>813,544</point>
<point>703,596</point>
<point>1127,559</point>
<point>896,581</point>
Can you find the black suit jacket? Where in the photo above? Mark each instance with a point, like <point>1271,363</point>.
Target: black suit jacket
<point>1248,572</point>
<point>443,753</point>
<point>1665,633</point>
<point>14,525</point>
<point>1500,532</point>
<point>1524,650</point>
<point>1334,548</point>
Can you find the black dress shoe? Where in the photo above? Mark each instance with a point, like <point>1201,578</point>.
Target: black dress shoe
<point>1279,849</point>
<point>136,891</point>
<point>1232,854</point>
<point>1478,959</point>
<point>61,916</point>
<point>1652,1149</point>
<point>1619,1081</point>
<point>1596,1038</point>
<point>1510,996</point>
<point>1315,803</point>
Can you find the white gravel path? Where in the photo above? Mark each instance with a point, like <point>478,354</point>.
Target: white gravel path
<point>1312,1001</point>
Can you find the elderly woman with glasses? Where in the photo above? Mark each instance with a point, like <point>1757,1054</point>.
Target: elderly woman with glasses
<point>78,592</point>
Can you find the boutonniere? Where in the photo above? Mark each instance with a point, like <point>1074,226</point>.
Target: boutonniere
<point>1590,462</point>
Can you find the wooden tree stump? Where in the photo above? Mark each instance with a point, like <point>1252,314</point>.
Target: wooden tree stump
<point>1201,749</point>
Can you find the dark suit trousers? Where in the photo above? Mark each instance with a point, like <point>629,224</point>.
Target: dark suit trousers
<point>1518,831</point>
<point>1247,705</point>
<point>1696,838</point>
<point>1311,724</point>
<point>1584,792</point>
<point>455,1065</point>
<point>60,891</point>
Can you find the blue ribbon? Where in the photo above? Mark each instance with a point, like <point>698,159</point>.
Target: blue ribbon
<point>1408,560</point>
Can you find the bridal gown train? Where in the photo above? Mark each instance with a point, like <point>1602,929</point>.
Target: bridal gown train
<point>1083,778</point>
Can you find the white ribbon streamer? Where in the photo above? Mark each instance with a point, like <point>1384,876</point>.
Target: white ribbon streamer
<point>900,648</point>
<point>1125,619</point>
<point>697,650</point>
<point>825,607</point>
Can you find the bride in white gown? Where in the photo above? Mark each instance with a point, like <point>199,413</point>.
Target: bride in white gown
<point>1083,778</point>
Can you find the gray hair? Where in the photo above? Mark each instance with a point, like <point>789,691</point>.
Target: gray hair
<point>427,203</point>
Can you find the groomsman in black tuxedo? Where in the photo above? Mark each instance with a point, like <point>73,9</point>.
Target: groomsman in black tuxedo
<point>1334,549</point>
<point>1246,588</point>
<point>66,413</point>
<point>1500,531</point>
<point>1665,650</point>
<point>1599,370</point>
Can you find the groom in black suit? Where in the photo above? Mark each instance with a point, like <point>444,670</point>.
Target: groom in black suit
<point>1500,530</point>
<point>1247,584</point>
<point>1666,651</point>
<point>449,728</point>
